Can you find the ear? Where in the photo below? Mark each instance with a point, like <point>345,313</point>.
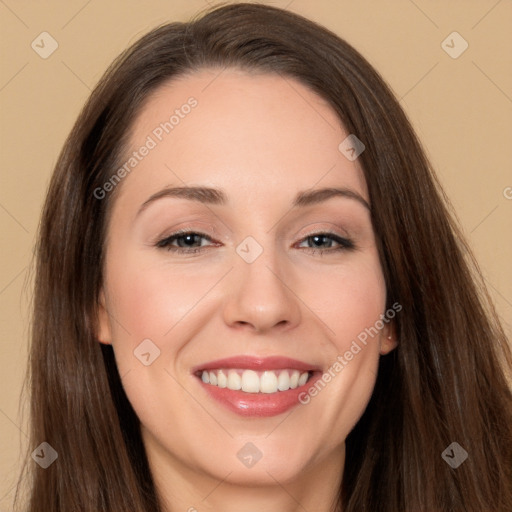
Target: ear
<point>388,340</point>
<point>103,329</point>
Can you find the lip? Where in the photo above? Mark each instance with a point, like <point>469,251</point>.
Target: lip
<point>256,363</point>
<point>257,404</point>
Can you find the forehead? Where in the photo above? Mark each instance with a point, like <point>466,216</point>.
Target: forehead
<point>265,133</point>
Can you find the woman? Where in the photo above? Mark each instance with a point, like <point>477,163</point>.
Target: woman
<point>250,293</point>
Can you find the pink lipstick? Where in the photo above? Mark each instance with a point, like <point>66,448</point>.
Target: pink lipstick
<point>256,386</point>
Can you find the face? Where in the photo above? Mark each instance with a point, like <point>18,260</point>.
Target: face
<point>241,254</point>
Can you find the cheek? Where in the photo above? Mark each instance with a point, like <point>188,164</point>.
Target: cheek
<point>150,301</point>
<point>157,302</point>
<point>348,300</point>
<point>350,303</point>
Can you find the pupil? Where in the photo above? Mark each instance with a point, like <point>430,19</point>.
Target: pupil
<point>318,239</point>
<point>189,239</point>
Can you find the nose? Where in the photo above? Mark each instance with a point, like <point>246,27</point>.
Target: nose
<point>260,297</point>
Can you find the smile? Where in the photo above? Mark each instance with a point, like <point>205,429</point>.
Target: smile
<point>250,381</point>
<point>256,386</point>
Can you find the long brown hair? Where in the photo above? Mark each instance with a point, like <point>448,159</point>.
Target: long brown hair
<point>447,380</point>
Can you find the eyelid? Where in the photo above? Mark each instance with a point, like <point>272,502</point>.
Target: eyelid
<point>323,231</point>
<point>203,229</point>
<point>344,242</point>
<point>161,241</point>
<point>325,228</point>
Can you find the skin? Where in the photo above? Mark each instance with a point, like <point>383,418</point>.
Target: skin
<point>261,139</point>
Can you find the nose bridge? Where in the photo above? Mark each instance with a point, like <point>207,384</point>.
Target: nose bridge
<point>259,295</point>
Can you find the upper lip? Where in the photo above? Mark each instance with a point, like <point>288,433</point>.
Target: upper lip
<point>256,363</point>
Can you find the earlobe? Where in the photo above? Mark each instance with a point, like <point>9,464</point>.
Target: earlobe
<point>388,341</point>
<point>103,329</point>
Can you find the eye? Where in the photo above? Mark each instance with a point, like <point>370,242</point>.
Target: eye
<point>191,242</point>
<point>184,242</point>
<point>326,242</point>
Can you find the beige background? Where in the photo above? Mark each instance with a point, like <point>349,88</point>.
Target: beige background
<point>461,109</point>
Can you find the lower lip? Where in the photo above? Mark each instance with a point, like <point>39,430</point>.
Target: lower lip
<point>258,404</point>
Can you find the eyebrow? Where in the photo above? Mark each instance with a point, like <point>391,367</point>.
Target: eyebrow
<point>214,196</point>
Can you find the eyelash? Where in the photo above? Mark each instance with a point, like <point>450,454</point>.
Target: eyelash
<point>344,243</point>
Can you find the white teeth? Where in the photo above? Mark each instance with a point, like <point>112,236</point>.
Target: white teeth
<point>222,380</point>
<point>250,381</point>
<point>302,379</point>
<point>268,382</point>
<point>294,379</point>
<point>234,381</point>
<point>283,381</point>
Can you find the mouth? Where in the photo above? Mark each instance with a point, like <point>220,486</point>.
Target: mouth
<point>250,381</point>
<point>254,386</point>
